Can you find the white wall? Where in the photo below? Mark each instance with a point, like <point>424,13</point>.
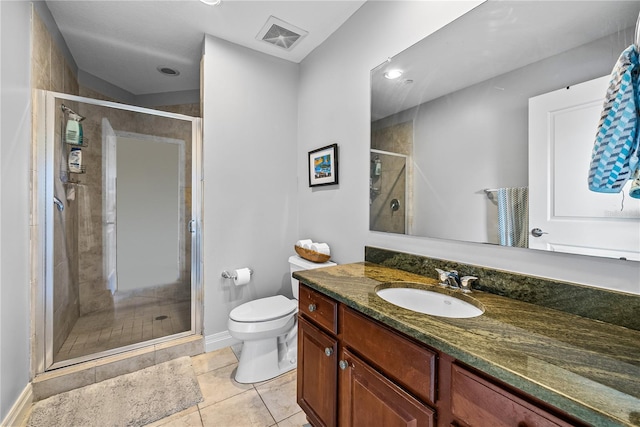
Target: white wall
<point>250,200</point>
<point>15,143</point>
<point>334,107</point>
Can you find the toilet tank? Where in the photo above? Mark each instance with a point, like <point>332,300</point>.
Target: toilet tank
<point>296,264</point>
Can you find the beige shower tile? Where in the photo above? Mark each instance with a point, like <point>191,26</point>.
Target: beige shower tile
<point>245,409</point>
<point>125,363</point>
<point>213,360</point>
<point>279,395</point>
<point>219,385</point>
<point>57,69</point>
<point>62,380</point>
<point>189,346</point>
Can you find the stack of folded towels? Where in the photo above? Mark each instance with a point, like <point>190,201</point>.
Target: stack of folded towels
<point>322,248</point>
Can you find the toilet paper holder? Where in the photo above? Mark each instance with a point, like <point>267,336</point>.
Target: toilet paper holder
<point>232,275</point>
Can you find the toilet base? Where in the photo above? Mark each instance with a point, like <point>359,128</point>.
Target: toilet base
<point>261,360</point>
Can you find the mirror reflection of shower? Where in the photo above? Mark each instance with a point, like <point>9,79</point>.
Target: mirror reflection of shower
<point>118,258</point>
<point>390,208</point>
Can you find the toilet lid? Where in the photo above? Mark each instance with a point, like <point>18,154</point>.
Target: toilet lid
<point>263,309</point>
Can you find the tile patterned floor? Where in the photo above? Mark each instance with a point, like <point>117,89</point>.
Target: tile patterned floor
<point>230,404</point>
<point>138,321</point>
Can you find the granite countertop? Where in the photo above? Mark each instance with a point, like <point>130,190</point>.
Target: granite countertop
<point>587,368</point>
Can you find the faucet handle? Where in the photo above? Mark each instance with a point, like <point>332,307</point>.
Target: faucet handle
<point>443,276</point>
<point>466,283</point>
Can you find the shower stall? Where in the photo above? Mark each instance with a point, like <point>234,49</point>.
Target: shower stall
<point>117,194</point>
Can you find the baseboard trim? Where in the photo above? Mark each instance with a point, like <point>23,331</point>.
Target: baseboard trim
<point>217,341</point>
<point>20,409</point>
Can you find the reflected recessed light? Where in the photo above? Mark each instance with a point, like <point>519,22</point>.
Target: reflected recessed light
<point>168,71</point>
<point>393,74</point>
<point>211,2</point>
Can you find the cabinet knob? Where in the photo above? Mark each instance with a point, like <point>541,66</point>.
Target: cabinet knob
<point>343,364</point>
<point>328,351</point>
<point>312,307</point>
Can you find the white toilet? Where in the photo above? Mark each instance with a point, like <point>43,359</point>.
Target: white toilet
<point>269,329</point>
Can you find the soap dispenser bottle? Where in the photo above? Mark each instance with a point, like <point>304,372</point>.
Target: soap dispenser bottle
<point>75,160</point>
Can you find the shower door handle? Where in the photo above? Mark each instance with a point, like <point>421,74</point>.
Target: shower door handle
<point>192,228</point>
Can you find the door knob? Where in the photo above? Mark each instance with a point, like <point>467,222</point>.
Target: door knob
<point>343,364</point>
<point>328,351</point>
<point>394,205</point>
<point>536,232</point>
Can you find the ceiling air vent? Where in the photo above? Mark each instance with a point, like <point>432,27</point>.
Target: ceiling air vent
<point>281,34</point>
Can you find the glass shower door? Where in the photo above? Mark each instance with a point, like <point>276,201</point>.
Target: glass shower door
<point>121,252</point>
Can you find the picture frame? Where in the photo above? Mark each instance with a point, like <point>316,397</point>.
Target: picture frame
<point>323,166</point>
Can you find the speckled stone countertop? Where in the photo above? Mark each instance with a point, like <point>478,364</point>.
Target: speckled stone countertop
<point>587,368</point>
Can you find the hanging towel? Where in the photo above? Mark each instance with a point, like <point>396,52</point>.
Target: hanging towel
<point>513,216</point>
<point>614,158</point>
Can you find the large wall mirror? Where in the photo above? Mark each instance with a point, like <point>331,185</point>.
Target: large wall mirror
<point>483,131</point>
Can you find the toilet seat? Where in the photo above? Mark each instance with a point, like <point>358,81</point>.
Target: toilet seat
<point>264,309</point>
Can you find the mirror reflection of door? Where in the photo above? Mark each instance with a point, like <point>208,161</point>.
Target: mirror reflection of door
<point>571,218</point>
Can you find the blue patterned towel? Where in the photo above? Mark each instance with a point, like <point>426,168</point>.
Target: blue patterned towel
<point>615,154</point>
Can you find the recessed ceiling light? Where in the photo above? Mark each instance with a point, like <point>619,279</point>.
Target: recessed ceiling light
<point>212,2</point>
<point>393,74</point>
<point>168,71</point>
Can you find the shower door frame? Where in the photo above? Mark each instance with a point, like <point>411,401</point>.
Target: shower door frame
<point>42,192</point>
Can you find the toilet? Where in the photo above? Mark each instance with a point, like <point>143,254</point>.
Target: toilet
<point>269,329</point>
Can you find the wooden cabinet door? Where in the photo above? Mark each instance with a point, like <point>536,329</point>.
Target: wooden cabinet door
<point>369,399</point>
<point>478,402</point>
<point>317,374</point>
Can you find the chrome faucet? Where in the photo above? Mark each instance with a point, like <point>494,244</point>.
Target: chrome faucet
<point>451,279</point>
<point>58,203</point>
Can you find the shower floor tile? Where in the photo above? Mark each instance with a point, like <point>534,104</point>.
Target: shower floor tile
<point>106,330</point>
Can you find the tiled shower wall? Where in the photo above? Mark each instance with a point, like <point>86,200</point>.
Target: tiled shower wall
<point>50,71</point>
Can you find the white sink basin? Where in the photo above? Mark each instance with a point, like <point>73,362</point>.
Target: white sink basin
<point>429,302</point>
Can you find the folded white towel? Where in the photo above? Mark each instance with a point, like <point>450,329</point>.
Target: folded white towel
<point>322,248</point>
<point>304,243</point>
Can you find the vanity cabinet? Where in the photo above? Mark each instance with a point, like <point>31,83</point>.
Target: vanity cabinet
<point>354,371</point>
<point>380,377</point>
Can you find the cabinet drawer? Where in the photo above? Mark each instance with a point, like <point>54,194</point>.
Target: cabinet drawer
<point>321,309</point>
<point>408,364</point>
<point>478,402</point>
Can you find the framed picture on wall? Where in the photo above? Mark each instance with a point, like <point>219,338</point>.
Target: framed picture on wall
<point>323,166</point>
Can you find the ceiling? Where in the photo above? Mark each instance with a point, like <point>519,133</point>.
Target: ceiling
<point>124,42</point>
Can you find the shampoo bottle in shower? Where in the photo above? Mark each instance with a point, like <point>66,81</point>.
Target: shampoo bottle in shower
<point>75,160</point>
<point>73,133</point>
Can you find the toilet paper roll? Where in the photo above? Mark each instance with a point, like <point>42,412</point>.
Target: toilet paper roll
<point>243,275</point>
<point>322,248</point>
<point>303,242</point>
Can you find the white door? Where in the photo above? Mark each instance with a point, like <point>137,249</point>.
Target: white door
<point>109,205</point>
<point>562,130</point>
